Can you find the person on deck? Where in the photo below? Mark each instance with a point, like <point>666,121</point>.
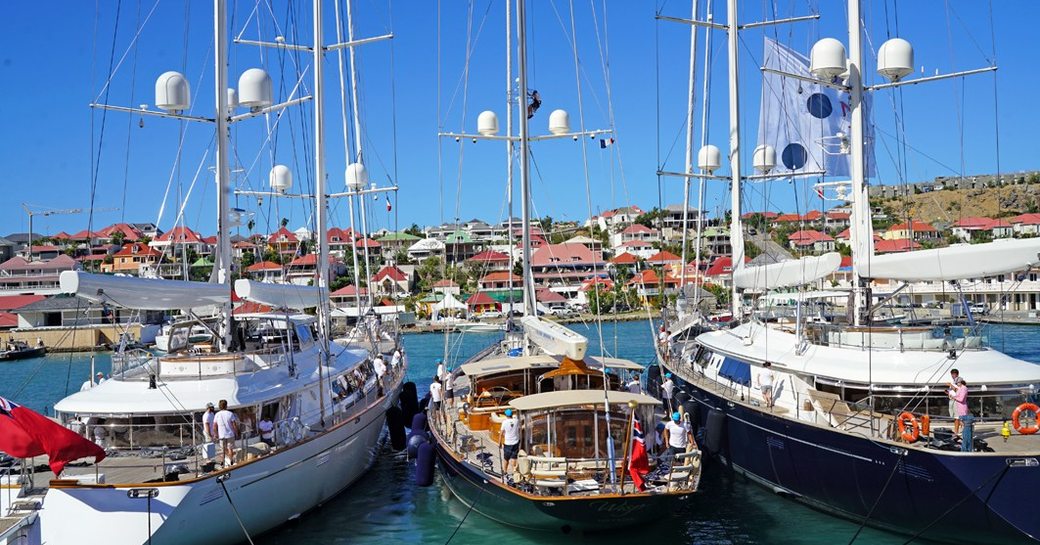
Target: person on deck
<point>436,394</point>
<point>380,368</point>
<point>440,369</point>
<point>509,441</point>
<point>395,360</point>
<point>960,400</point>
<point>765,383</point>
<point>633,385</point>
<point>225,429</point>
<point>207,423</point>
<point>266,428</point>
<point>676,436</point>
<point>952,386</point>
<point>667,388</point>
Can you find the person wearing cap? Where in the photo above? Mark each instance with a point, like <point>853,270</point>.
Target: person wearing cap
<point>676,436</point>
<point>207,422</point>
<point>436,395</point>
<point>509,441</point>
<point>440,369</point>
<point>667,387</point>
<point>959,396</point>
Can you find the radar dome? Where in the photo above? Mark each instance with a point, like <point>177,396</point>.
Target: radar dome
<point>255,89</point>
<point>172,92</point>
<point>487,123</point>
<point>764,158</point>
<point>559,122</point>
<point>281,178</point>
<point>357,176</point>
<point>709,158</point>
<point>827,58</point>
<point>895,59</point>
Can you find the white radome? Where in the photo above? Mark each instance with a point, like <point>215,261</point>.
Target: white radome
<point>281,178</point>
<point>232,99</point>
<point>487,123</point>
<point>895,59</point>
<point>709,158</point>
<point>356,176</point>
<point>255,89</point>
<point>827,58</point>
<point>764,158</point>
<point>172,92</point>
<point>559,122</point>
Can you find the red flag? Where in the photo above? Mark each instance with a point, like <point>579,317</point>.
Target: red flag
<point>638,463</point>
<point>24,434</point>
<point>388,207</point>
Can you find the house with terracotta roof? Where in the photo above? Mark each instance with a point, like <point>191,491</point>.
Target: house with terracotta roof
<point>40,251</point>
<point>113,233</point>
<point>721,270</point>
<point>663,258</point>
<point>810,240</point>
<point>132,258</point>
<point>490,260</point>
<point>837,219</point>
<point>648,283</point>
<point>787,219</point>
<point>638,248</point>
<point>481,302</point>
<point>347,296</point>
<point>625,259</point>
<point>634,232</point>
<point>176,240</point>
<point>1025,225</point>
<point>303,271</point>
<point>616,219</point>
<point>446,286</point>
<point>391,281</point>
<point>565,266</point>
<point>896,245</point>
<point>10,303</point>
<point>391,243</point>
<point>970,228</point>
<point>919,231</point>
<point>498,281</point>
<point>266,271</point>
<point>21,277</point>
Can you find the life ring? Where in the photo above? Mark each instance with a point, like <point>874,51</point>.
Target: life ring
<point>1015,416</point>
<point>912,433</point>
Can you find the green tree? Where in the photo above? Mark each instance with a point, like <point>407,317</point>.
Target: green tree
<point>649,219</point>
<point>429,272</point>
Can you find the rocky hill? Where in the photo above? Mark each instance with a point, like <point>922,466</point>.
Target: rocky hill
<point>949,205</point>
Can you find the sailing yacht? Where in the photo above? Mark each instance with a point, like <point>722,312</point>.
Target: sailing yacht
<point>164,480</point>
<point>856,421</point>
<point>582,464</point>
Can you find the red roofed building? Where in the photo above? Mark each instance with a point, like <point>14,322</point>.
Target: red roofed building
<point>173,241</point>
<point>446,286</point>
<point>114,232</point>
<point>550,299</point>
<point>303,271</point>
<point>919,231</point>
<point>481,302</point>
<point>18,276</point>
<point>565,266</point>
<point>836,219</point>
<point>663,258</point>
<point>372,245</point>
<point>721,270</point>
<point>766,215</point>
<point>787,218</point>
<point>391,281</point>
<point>490,260</point>
<point>637,232</point>
<point>40,251</point>
<point>648,283</point>
<point>810,241</point>
<point>265,271</point>
<point>625,258</point>
<point>498,281</point>
<point>283,241</point>
<point>130,259</point>
<point>638,248</point>
<point>897,245</point>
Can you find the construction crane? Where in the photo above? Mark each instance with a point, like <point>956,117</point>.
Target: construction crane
<point>28,210</point>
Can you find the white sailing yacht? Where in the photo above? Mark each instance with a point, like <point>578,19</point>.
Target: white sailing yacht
<point>164,480</point>
<point>856,420</point>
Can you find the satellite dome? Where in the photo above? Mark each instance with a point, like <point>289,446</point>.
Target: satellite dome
<point>281,178</point>
<point>895,59</point>
<point>764,158</point>
<point>827,59</point>
<point>709,158</point>
<point>487,123</point>
<point>255,89</point>
<point>172,92</point>
<point>356,176</point>
<point>559,122</point>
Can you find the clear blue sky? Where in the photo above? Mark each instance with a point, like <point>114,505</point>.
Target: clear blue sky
<point>54,63</point>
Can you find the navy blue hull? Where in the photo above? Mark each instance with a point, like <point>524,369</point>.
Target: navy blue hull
<point>945,496</point>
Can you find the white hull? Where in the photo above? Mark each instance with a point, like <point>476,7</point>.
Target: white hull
<point>266,492</point>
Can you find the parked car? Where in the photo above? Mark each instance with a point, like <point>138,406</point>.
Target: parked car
<point>563,313</point>
<point>488,315</point>
<point>978,308</point>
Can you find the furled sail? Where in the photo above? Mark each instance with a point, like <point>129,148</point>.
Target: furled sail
<point>554,338</point>
<point>143,293</point>
<point>793,272</point>
<point>957,262</point>
<point>278,295</point>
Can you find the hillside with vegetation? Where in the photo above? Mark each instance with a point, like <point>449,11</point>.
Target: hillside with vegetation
<point>1021,195</point>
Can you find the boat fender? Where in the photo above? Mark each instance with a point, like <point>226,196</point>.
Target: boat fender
<point>409,400</point>
<point>1016,418</point>
<point>715,431</point>
<point>908,428</point>
<point>691,409</point>
<point>424,462</point>
<point>419,423</point>
<point>415,440</point>
<point>395,425</point>
<point>926,425</point>
<point>424,402</point>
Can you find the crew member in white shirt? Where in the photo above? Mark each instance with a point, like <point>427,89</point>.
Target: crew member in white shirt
<point>436,392</point>
<point>395,360</point>
<point>266,428</point>
<point>676,436</point>
<point>667,387</point>
<point>380,368</point>
<point>207,423</point>
<point>509,440</point>
<point>766,377</point>
<point>440,369</point>
<point>225,429</point>
<point>633,386</point>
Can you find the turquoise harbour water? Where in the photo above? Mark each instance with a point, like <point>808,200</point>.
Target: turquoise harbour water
<point>385,507</point>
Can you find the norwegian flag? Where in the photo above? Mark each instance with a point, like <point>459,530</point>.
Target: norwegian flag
<point>389,207</point>
<point>639,463</point>
<point>819,192</point>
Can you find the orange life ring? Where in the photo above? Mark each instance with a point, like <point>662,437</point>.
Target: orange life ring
<point>1026,430</point>
<point>912,433</point>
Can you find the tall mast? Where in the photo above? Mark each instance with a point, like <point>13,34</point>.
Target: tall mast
<point>509,144</point>
<point>736,237</point>
<point>704,140</point>
<point>860,230</point>
<point>525,175</point>
<point>222,267</point>
<point>689,146</point>
<point>359,158</point>
<point>320,206</point>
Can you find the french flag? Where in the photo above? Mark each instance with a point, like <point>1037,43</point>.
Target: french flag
<point>25,433</point>
<point>638,463</point>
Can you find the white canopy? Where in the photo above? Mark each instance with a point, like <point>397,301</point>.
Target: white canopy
<point>956,262</point>
<point>143,293</point>
<point>793,272</point>
<point>278,295</point>
<point>804,296</point>
<point>575,398</point>
<point>449,303</point>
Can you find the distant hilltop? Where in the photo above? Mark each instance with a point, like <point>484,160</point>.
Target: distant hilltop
<point>948,199</point>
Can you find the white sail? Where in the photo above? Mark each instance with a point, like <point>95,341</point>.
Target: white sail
<point>278,295</point>
<point>793,272</point>
<point>956,262</point>
<point>554,338</point>
<point>143,293</point>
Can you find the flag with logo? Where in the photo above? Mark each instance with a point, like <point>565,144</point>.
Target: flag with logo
<point>804,121</point>
<point>25,433</point>
<point>638,463</point>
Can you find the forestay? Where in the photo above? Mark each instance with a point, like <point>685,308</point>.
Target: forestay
<point>957,262</point>
<point>793,272</point>
<point>143,293</point>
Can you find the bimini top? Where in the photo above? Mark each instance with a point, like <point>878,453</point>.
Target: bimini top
<point>576,398</point>
<point>500,365</point>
